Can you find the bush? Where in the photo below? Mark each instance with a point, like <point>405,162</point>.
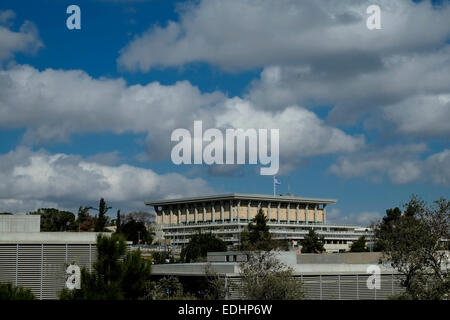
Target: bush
<point>10,292</point>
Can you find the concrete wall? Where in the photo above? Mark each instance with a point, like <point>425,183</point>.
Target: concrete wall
<point>339,258</point>
<point>20,223</point>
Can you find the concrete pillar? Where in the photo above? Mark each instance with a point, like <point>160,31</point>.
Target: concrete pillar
<point>239,211</point>
<point>213,212</point>
<point>288,210</point>
<point>204,212</point>
<point>278,212</point>
<point>248,211</point>
<point>195,214</point>
<point>324,213</point>
<point>222,214</point>
<point>297,213</point>
<point>268,212</point>
<point>231,211</point>
<point>315,213</point>
<point>171,215</point>
<point>187,214</point>
<point>259,207</point>
<point>306,213</point>
<point>179,214</point>
<point>163,216</point>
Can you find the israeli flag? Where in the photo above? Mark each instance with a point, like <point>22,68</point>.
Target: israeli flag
<point>277,182</point>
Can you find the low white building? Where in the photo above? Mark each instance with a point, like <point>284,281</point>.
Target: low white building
<point>38,260</point>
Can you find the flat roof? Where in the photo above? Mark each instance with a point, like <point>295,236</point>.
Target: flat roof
<point>233,269</point>
<point>49,237</point>
<point>241,196</point>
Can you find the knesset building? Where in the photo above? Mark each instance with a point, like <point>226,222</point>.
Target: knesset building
<point>290,218</point>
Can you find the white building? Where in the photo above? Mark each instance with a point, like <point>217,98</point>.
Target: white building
<point>290,218</point>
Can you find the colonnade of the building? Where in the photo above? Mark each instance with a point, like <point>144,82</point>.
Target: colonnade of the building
<point>237,211</point>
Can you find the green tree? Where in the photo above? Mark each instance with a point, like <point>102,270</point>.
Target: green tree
<point>166,288</point>
<point>359,245</point>
<point>55,220</point>
<point>199,246</point>
<point>10,292</point>
<point>264,277</point>
<point>136,276</point>
<point>414,243</point>
<point>257,235</point>
<point>385,227</point>
<point>312,243</point>
<point>116,274</point>
<point>101,220</point>
<point>84,220</point>
<point>160,257</point>
<point>118,222</point>
<point>135,231</point>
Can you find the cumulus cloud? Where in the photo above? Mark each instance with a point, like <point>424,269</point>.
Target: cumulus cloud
<point>302,133</point>
<point>49,105</point>
<point>438,167</point>
<point>402,87</point>
<point>318,53</point>
<point>6,17</point>
<point>424,115</point>
<point>26,39</point>
<point>53,104</point>
<point>32,179</point>
<point>243,34</point>
<point>365,218</point>
<point>400,164</point>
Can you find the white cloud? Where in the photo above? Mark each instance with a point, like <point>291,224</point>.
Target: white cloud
<point>53,104</point>
<point>35,179</point>
<point>438,167</point>
<point>318,53</point>
<point>243,34</point>
<point>421,115</point>
<point>401,164</point>
<point>400,87</point>
<point>24,206</point>
<point>6,17</point>
<point>26,39</point>
<point>364,219</point>
<point>302,133</point>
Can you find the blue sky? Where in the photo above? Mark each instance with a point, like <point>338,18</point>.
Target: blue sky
<point>363,114</point>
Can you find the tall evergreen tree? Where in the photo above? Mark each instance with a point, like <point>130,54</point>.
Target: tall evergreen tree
<point>257,236</point>
<point>116,274</point>
<point>85,221</point>
<point>118,222</point>
<point>312,243</point>
<point>359,245</point>
<point>100,221</point>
